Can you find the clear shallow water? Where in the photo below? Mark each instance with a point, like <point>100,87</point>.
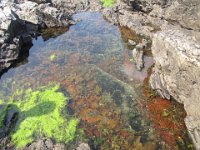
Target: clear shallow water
<point>92,64</point>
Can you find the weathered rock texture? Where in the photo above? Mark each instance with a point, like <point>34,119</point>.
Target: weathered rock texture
<point>176,73</point>
<point>149,16</point>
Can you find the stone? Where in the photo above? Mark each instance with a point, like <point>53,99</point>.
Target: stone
<point>83,146</point>
<point>45,144</point>
<point>176,73</point>
<point>138,58</point>
<point>131,42</point>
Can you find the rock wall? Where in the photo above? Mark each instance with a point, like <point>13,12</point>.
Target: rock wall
<point>174,27</point>
<point>177,73</point>
<point>19,23</point>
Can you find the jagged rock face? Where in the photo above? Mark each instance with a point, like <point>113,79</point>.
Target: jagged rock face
<point>176,73</point>
<point>19,22</point>
<point>21,19</point>
<point>183,12</point>
<point>10,42</point>
<point>186,12</point>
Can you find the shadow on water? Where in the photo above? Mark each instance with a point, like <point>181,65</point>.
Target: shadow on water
<point>46,34</point>
<point>23,58</point>
<point>12,116</point>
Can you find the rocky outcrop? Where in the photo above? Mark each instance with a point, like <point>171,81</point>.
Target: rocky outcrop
<point>19,23</point>
<point>183,12</point>
<point>10,41</point>
<point>176,73</point>
<point>174,27</point>
<point>148,16</point>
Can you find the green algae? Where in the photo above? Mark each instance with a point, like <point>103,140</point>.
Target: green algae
<point>41,114</point>
<point>52,57</point>
<point>108,3</point>
<point>3,112</point>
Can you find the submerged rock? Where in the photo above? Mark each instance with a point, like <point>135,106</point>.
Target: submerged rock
<point>138,54</point>
<point>138,58</point>
<point>131,42</point>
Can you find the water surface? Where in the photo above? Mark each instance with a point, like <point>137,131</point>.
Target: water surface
<point>91,62</point>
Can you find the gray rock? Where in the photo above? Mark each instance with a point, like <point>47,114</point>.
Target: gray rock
<point>40,14</point>
<point>177,73</point>
<point>20,21</point>
<point>138,58</point>
<point>185,12</point>
<point>59,147</point>
<point>83,146</point>
<point>45,144</point>
<point>131,42</point>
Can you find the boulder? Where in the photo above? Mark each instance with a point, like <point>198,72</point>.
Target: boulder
<point>177,73</point>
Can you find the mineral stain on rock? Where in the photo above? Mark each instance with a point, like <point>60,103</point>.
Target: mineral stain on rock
<point>92,66</point>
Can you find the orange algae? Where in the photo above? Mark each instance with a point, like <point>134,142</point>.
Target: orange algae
<point>167,117</point>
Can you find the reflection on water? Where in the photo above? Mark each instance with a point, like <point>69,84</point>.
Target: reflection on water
<point>92,63</point>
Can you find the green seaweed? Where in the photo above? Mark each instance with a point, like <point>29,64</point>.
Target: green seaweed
<point>41,115</point>
<point>108,3</point>
<point>52,57</point>
<point>3,112</point>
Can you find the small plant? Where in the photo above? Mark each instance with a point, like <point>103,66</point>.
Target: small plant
<point>108,3</point>
<point>165,113</point>
<point>52,57</point>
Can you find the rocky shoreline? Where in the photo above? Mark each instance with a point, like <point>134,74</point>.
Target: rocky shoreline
<point>173,26</point>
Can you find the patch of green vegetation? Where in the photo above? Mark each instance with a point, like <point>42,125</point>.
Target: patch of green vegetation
<point>41,114</point>
<point>108,3</point>
<point>165,113</point>
<point>52,57</point>
<point>3,112</point>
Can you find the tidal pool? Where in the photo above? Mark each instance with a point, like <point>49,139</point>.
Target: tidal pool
<point>91,63</point>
